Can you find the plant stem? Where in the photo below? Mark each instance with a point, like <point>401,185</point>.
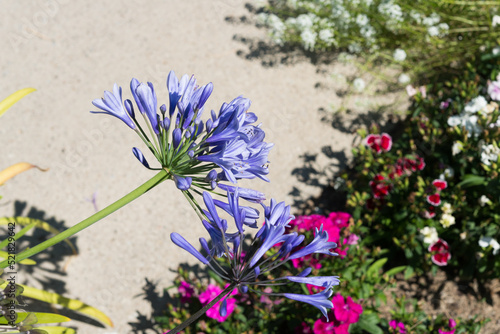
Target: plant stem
<point>153,182</point>
<point>202,311</point>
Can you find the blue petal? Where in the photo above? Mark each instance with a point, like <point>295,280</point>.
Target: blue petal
<point>182,243</point>
<point>138,154</point>
<point>324,281</point>
<point>319,300</point>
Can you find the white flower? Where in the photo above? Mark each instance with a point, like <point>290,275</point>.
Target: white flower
<point>446,207</point>
<point>308,39</point>
<point>404,78</point>
<point>430,234</point>
<point>494,90</point>
<point>326,35</point>
<point>359,84</point>
<point>368,3</point>
<point>367,32</point>
<point>483,200</point>
<point>431,20</point>
<point>468,121</point>
<point>495,21</point>
<point>416,16</point>
<point>443,28</point>
<point>489,153</point>
<point>362,20</point>
<point>448,173</point>
<point>354,47</point>
<point>475,105</point>
<point>457,148</point>
<point>399,55</point>
<point>305,21</point>
<point>433,31</point>
<point>496,50</point>
<point>486,242</point>
<point>447,220</point>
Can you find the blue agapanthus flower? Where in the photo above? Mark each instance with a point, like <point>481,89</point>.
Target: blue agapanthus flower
<point>225,147</point>
<point>247,266</point>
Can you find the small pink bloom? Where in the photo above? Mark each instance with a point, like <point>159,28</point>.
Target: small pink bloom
<point>352,239</point>
<point>186,291</point>
<point>423,91</point>
<point>397,325</point>
<point>380,188</point>
<point>444,104</point>
<point>494,90</point>
<point>209,294</point>
<point>321,326</point>
<point>346,310</point>
<point>430,213</point>
<point>440,184</point>
<point>303,329</point>
<point>440,252</point>
<point>434,199</point>
<point>379,143</point>
<point>411,91</point>
<point>452,324</point>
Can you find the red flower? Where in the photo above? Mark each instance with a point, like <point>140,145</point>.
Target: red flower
<point>430,213</point>
<point>321,326</point>
<point>434,199</point>
<point>380,189</point>
<point>440,184</point>
<point>440,252</point>
<point>379,143</point>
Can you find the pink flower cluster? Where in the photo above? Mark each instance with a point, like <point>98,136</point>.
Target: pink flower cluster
<point>334,225</point>
<point>379,143</point>
<point>434,199</point>
<point>345,312</point>
<point>397,327</point>
<point>452,324</point>
<point>209,294</point>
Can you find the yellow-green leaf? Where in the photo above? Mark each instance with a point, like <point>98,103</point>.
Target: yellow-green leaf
<point>57,330</point>
<point>28,262</point>
<point>42,318</point>
<point>24,221</point>
<point>11,171</point>
<point>72,304</point>
<point>13,98</point>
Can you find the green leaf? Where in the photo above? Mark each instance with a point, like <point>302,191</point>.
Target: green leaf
<point>57,330</point>
<point>72,304</point>
<point>368,322</point>
<point>395,270</point>
<point>42,318</point>
<point>375,267</point>
<point>471,180</point>
<point>13,98</point>
<point>408,272</point>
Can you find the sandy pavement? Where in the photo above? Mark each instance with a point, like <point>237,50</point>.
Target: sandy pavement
<point>71,51</point>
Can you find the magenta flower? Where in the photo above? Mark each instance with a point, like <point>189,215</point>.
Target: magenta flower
<point>340,219</point>
<point>209,294</point>
<point>399,326</point>
<point>186,291</point>
<point>440,184</point>
<point>346,310</point>
<point>352,239</point>
<point>440,252</point>
<point>434,199</point>
<point>379,143</point>
<point>452,324</point>
<point>323,326</point>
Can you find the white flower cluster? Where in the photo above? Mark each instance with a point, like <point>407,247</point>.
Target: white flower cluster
<point>447,219</point>
<point>467,118</point>
<point>275,24</point>
<point>399,55</point>
<point>489,154</point>
<point>430,234</point>
<point>486,242</point>
<point>393,12</point>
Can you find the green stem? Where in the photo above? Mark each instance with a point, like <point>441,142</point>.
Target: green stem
<point>203,310</point>
<point>154,181</point>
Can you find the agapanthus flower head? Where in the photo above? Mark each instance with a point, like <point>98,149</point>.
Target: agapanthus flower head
<point>228,144</point>
<point>440,252</point>
<point>247,266</point>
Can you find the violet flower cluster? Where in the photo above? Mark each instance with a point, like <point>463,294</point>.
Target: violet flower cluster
<point>204,154</point>
<point>189,149</point>
<point>248,265</point>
